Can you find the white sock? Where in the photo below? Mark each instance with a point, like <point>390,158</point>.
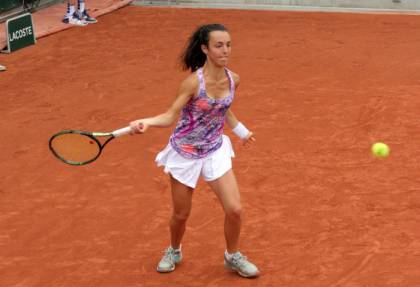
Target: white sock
<point>70,11</point>
<point>228,255</point>
<point>81,5</point>
<point>177,250</point>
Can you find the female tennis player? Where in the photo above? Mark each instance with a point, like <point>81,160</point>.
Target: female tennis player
<point>198,146</point>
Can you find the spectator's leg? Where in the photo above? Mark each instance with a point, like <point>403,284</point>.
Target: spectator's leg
<point>83,14</point>
<point>71,16</point>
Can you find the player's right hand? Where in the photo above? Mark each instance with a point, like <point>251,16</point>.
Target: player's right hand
<point>139,126</point>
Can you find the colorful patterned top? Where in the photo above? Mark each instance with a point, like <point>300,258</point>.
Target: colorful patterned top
<point>200,127</point>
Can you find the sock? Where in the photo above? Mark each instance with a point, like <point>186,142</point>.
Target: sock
<point>81,5</point>
<point>228,255</point>
<point>177,250</point>
<point>70,11</point>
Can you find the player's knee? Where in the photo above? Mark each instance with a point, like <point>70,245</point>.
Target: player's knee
<point>181,216</point>
<point>234,213</point>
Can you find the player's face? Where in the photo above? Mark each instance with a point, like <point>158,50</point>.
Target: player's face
<point>219,48</point>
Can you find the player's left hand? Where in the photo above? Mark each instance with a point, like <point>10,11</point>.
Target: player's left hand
<point>249,140</point>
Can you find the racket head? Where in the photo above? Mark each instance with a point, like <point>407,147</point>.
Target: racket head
<point>75,147</point>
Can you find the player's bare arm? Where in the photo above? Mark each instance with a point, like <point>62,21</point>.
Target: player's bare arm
<point>238,128</point>
<point>232,121</point>
<point>186,91</point>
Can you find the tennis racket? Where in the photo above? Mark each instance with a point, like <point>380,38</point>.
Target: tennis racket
<point>81,147</point>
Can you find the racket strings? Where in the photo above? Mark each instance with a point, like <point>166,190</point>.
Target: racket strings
<point>75,148</point>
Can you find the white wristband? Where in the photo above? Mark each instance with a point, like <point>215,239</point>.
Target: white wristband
<point>241,131</point>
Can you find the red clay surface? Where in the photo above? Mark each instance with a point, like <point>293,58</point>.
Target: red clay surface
<point>318,89</point>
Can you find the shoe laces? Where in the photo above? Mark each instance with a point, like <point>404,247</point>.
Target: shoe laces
<point>239,259</point>
<point>169,255</point>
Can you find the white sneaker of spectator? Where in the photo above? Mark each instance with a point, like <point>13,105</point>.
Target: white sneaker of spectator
<point>74,21</point>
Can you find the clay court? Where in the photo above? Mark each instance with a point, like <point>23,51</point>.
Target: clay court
<point>319,210</point>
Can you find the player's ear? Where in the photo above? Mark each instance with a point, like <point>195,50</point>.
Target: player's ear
<point>205,49</point>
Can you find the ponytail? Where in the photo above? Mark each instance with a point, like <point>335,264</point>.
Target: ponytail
<point>193,57</point>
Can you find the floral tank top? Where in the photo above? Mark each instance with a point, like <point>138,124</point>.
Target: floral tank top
<point>199,130</point>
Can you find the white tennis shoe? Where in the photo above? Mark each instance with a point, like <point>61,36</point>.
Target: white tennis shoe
<point>241,265</point>
<point>169,260</point>
<point>74,21</point>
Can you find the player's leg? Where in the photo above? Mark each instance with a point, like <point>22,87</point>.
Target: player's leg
<point>181,200</point>
<point>227,191</point>
<point>69,16</point>
<point>2,68</point>
<point>82,13</point>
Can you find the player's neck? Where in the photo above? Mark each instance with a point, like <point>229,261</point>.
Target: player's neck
<point>213,71</point>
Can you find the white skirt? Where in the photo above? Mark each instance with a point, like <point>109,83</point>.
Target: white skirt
<point>188,171</point>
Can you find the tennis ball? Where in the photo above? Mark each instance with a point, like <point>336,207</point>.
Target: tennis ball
<point>380,149</point>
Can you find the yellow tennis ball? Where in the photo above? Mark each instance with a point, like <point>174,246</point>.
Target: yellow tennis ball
<point>380,149</point>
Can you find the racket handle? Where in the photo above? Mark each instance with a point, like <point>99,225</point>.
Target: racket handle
<point>121,132</point>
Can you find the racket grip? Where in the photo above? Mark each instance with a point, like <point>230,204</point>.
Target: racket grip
<point>121,132</point>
